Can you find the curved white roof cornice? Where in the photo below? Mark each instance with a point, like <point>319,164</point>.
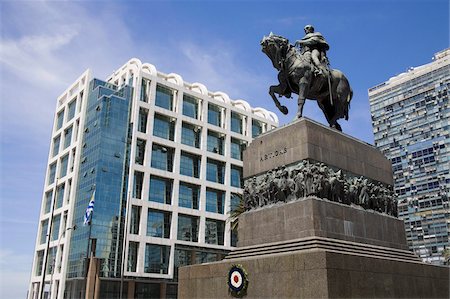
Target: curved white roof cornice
<point>200,88</point>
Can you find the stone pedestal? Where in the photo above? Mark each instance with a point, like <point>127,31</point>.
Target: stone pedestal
<point>315,248</point>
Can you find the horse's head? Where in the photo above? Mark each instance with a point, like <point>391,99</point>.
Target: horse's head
<point>275,47</point>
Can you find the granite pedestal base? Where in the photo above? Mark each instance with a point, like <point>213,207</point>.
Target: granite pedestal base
<point>315,248</point>
<point>319,259</point>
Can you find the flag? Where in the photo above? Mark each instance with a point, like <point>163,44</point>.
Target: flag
<point>89,210</point>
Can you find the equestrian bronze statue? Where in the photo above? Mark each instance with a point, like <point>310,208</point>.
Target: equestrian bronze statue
<point>307,74</point>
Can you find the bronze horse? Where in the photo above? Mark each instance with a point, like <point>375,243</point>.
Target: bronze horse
<point>296,75</point>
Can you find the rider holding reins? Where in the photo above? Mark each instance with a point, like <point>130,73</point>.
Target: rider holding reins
<point>314,44</point>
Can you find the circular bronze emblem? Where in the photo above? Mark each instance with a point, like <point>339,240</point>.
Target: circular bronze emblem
<point>237,281</point>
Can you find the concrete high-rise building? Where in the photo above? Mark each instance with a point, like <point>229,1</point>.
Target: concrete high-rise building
<point>411,124</point>
<point>163,160</point>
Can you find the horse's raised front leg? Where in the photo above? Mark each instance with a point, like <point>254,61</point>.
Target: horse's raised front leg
<point>277,89</point>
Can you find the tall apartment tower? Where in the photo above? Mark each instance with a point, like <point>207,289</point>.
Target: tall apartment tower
<point>411,124</point>
<point>163,160</point>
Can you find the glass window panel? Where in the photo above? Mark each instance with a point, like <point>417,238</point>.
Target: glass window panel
<point>142,121</point>
<point>164,97</point>
<point>51,173</point>
<point>256,128</point>
<point>236,122</point>
<point>235,202</point>
<point>138,181</point>
<point>140,151</point>
<point>190,165</point>
<point>135,219</point>
<point>44,230</point>
<point>190,135</point>
<point>145,86</point>
<point>214,231</point>
<point>39,263</point>
<point>214,115</point>
<point>215,143</point>
<point>160,190</point>
<point>59,119</point>
<point>183,258</point>
<point>67,137</point>
<point>187,228</point>
<point>133,248</point>
<point>50,260</point>
<point>59,196</point>
<point>162,157</point>
<point>56,143</point>
<point>237,148</point>
<point>63,166</point>
<point>48,201</point>
<point>236,176</point>
<point>71,109</point>
<point>190,106</point>
<point>156,259</point>
<point>158,224</point>
<point>55,227</point>
<point>189,196</point>
<point>163,127</point>
<point>215,171</point>
<point>215,200</point>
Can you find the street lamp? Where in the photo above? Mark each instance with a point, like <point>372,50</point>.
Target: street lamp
<point>54,258</point>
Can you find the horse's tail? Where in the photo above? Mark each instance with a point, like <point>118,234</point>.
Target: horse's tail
<point>347,107</point>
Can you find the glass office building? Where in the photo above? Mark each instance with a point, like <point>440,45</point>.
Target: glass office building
<point>163,160</point>
<point>411,124</point>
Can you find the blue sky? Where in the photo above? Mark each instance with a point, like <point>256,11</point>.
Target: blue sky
<point>46,45</point>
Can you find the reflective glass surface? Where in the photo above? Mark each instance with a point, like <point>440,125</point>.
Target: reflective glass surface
<point>106,147</point>
<point>158,224</point>
<point>188,196</point>
<point>214,115</point>
<point>215,171</point>
<point>59,119</point>
<point>215,200</point>
<point>162,157</point>
<point>63,166</point>
<point>163,127</point>
<point>214,231</point>
<point>190,164</point>
<point>164,97</point>
<point>135,219</point>
<point>256,128</point>
<point>51,173</point>
<point>156,259</point>
<point>215,143</point>
<point>67,137</point>
<point>160,190</point>
<point>142,121</point>
<point>190,106</point>
<point>187,228</point>
<point>190,135</point>
<point>133,248</point>
<point>56,143</point>
<point>59,196</point>
<point>236,176</point>
<point>71,109</point>
<point>236,122</point>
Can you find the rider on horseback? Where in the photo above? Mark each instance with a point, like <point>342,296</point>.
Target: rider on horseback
<point>314,45</point>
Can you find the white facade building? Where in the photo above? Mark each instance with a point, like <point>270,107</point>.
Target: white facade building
<point>166,151</point>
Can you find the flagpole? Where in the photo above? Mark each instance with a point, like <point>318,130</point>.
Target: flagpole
<point>41,293</point>
<point>125,233</point>
<point>89,222</point>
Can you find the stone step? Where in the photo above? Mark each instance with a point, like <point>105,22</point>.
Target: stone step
<point>325,244</point>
